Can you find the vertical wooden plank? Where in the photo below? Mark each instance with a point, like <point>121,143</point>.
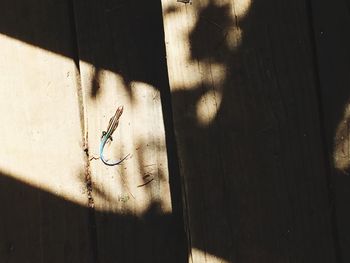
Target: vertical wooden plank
<point>248,131</point>
<point>120,64</point>
<point>41,159</point>
<point>331,24</point>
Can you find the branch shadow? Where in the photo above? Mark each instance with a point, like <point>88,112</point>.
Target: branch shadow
<point>247,179</point>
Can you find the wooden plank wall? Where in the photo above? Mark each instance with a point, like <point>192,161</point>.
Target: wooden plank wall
<point>259,96</point>
<point>247,125</point>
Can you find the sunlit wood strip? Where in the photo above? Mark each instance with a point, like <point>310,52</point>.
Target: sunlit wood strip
<point>43,191</point>
<point>127,70</point>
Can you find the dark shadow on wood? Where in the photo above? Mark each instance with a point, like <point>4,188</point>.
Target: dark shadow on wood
<point>137,23</point>
<point>330,26</point>
<point>37,226</point>
<point>255,176</point>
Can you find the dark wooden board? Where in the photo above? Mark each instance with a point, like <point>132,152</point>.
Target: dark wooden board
<point>331,24</point>
<point>247,125</point>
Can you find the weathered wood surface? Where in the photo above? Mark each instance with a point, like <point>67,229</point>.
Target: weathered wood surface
<point>244,79</point>
<point>331,23</point>
<point>248,131</point>
<point>123,40</point>
<point>42,196</point>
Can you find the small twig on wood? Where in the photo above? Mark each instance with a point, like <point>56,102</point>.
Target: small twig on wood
<point>146,183</point>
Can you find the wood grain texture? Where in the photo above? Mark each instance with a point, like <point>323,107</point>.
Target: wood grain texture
<point>331,25</point>
<point>248,131</point>
<point>133,217</point>
<point>42,195</point>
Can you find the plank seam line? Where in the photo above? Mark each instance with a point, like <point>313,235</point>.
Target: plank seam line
<point>84,133</point>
